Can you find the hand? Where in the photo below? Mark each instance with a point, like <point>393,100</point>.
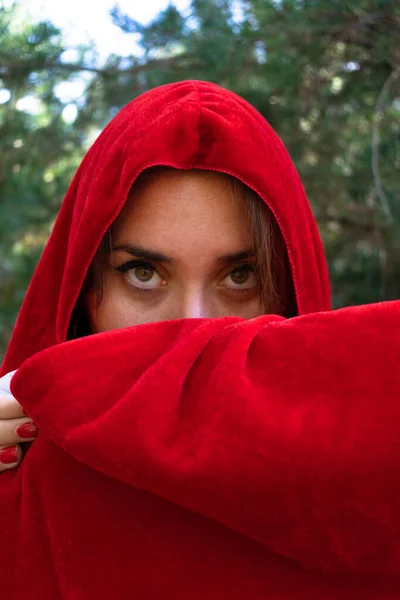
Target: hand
<point>15,426</point>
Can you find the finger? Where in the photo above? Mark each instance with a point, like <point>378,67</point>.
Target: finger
<point>9,407</point>
<point>14,431</point>
<point>10,457</point>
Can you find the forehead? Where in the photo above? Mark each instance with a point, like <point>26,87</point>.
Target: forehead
<point>172,211</point>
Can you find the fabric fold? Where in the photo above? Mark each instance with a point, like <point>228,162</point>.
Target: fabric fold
<point>222,418</point>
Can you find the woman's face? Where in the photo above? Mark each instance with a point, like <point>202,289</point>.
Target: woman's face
<point>180,249</point>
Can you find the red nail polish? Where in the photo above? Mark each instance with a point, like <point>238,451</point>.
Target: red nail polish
<point>8,455</point>
<point>27,430</point>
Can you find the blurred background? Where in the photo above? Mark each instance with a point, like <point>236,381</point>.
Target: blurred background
<point>324,73</point>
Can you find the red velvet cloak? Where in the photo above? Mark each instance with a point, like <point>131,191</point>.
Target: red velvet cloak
<point>203,458</point>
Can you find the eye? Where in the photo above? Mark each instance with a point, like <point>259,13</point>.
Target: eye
<point>141,275</point>
<point>242,278</point>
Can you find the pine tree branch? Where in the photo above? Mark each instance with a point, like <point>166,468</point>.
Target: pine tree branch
<point>14,67</point>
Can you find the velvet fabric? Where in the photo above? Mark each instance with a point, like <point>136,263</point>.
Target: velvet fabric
<point>201,458</point>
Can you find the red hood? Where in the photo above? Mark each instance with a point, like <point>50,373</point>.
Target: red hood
<point>212,459</point>
<point>186,125</point>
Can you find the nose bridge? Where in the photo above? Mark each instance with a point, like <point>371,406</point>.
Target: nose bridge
<point>196,303</point>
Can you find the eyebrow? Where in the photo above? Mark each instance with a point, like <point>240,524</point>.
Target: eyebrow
<point>246,254</point>
<point>143,253</point>
<point>236,256</point>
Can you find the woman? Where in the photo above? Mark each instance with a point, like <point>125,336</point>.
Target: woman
<point>217,448</point>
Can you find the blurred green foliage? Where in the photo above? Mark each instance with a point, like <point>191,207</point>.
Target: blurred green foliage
<point>325,74</point>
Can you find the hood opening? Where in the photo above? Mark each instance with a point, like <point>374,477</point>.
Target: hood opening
<point>273,267</point>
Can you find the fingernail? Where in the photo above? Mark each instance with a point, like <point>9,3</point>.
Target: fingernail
<point>8,455</point>
<point>27,430</point>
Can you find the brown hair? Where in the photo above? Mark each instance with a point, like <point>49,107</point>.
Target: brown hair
<point>268,246</point>
<point>271,266</point>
